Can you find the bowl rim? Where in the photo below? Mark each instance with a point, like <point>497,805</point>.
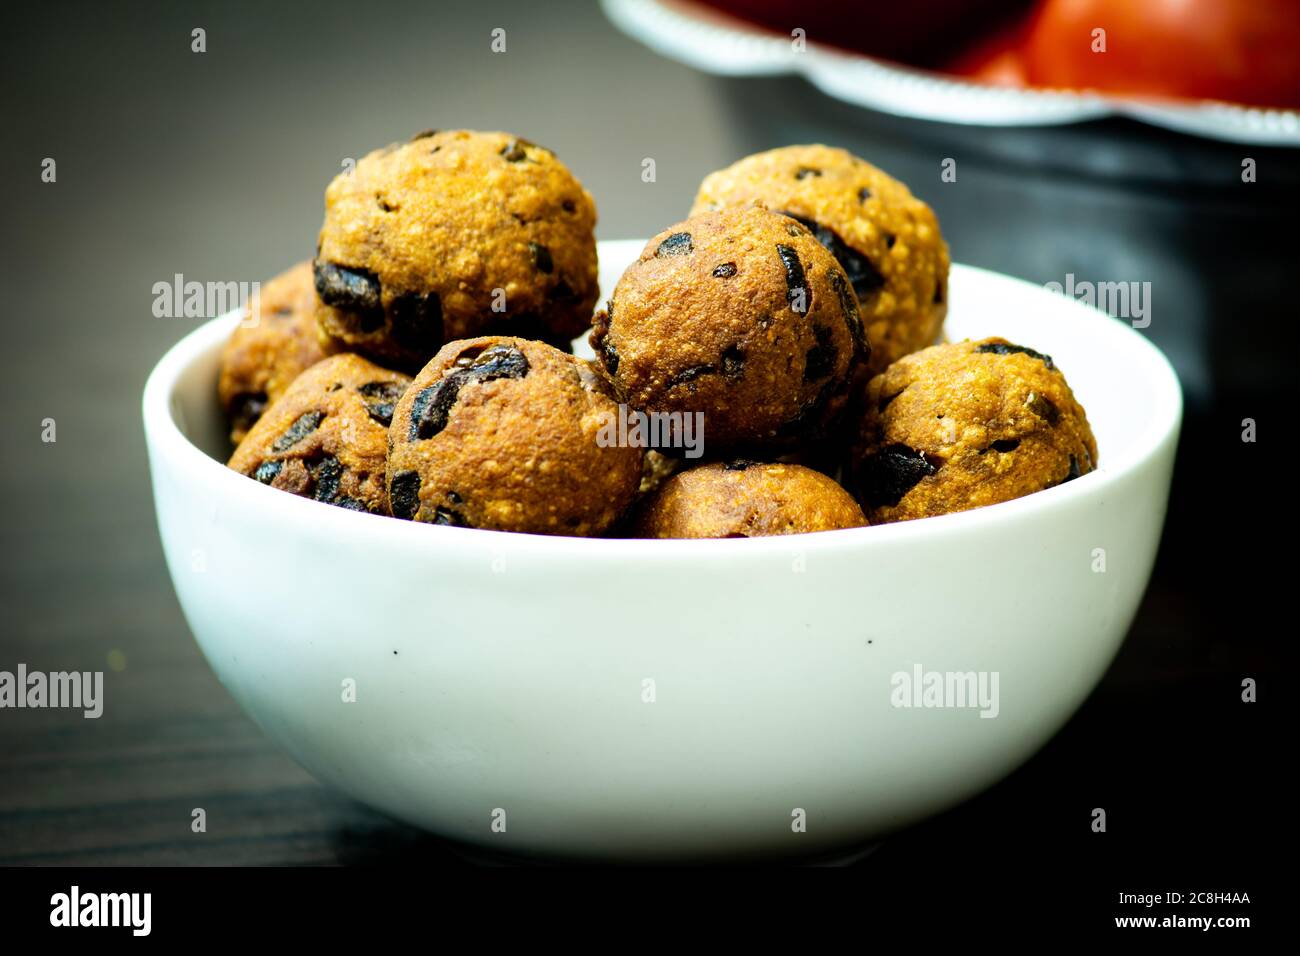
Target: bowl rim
<point>166,440</point>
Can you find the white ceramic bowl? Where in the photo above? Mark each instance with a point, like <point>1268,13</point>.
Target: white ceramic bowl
<point>503,678</point>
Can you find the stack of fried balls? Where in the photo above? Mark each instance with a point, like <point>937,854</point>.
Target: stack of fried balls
<point>420,366</point>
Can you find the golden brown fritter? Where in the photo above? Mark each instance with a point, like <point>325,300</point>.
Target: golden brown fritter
<point>452,235</point>
<point>507,434</point>
<point>266,353</point>
<point>738,314</point>
<point>326,437</point>
<point>745,499</point>
<point>960,426</point>
<point>887,240</point>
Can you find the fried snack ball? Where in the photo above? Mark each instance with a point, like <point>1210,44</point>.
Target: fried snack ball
<point>268,351</point>
<point>741,315</point>
<point>507,434</point>
<point>964,425</point>
<point>326,437</point>
<point>887,240</point>
<point>745,499</point>
<point>452,235</point>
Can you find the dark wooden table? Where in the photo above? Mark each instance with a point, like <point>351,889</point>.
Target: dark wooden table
<point>212,165</point>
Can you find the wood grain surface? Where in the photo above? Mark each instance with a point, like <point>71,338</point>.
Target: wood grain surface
<point>213,166</point>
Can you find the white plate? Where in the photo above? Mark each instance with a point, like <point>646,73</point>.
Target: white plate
<point>731,48</point>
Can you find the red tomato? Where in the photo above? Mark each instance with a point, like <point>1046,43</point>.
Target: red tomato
<point>1242,51</point>
<point>996,58</point>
